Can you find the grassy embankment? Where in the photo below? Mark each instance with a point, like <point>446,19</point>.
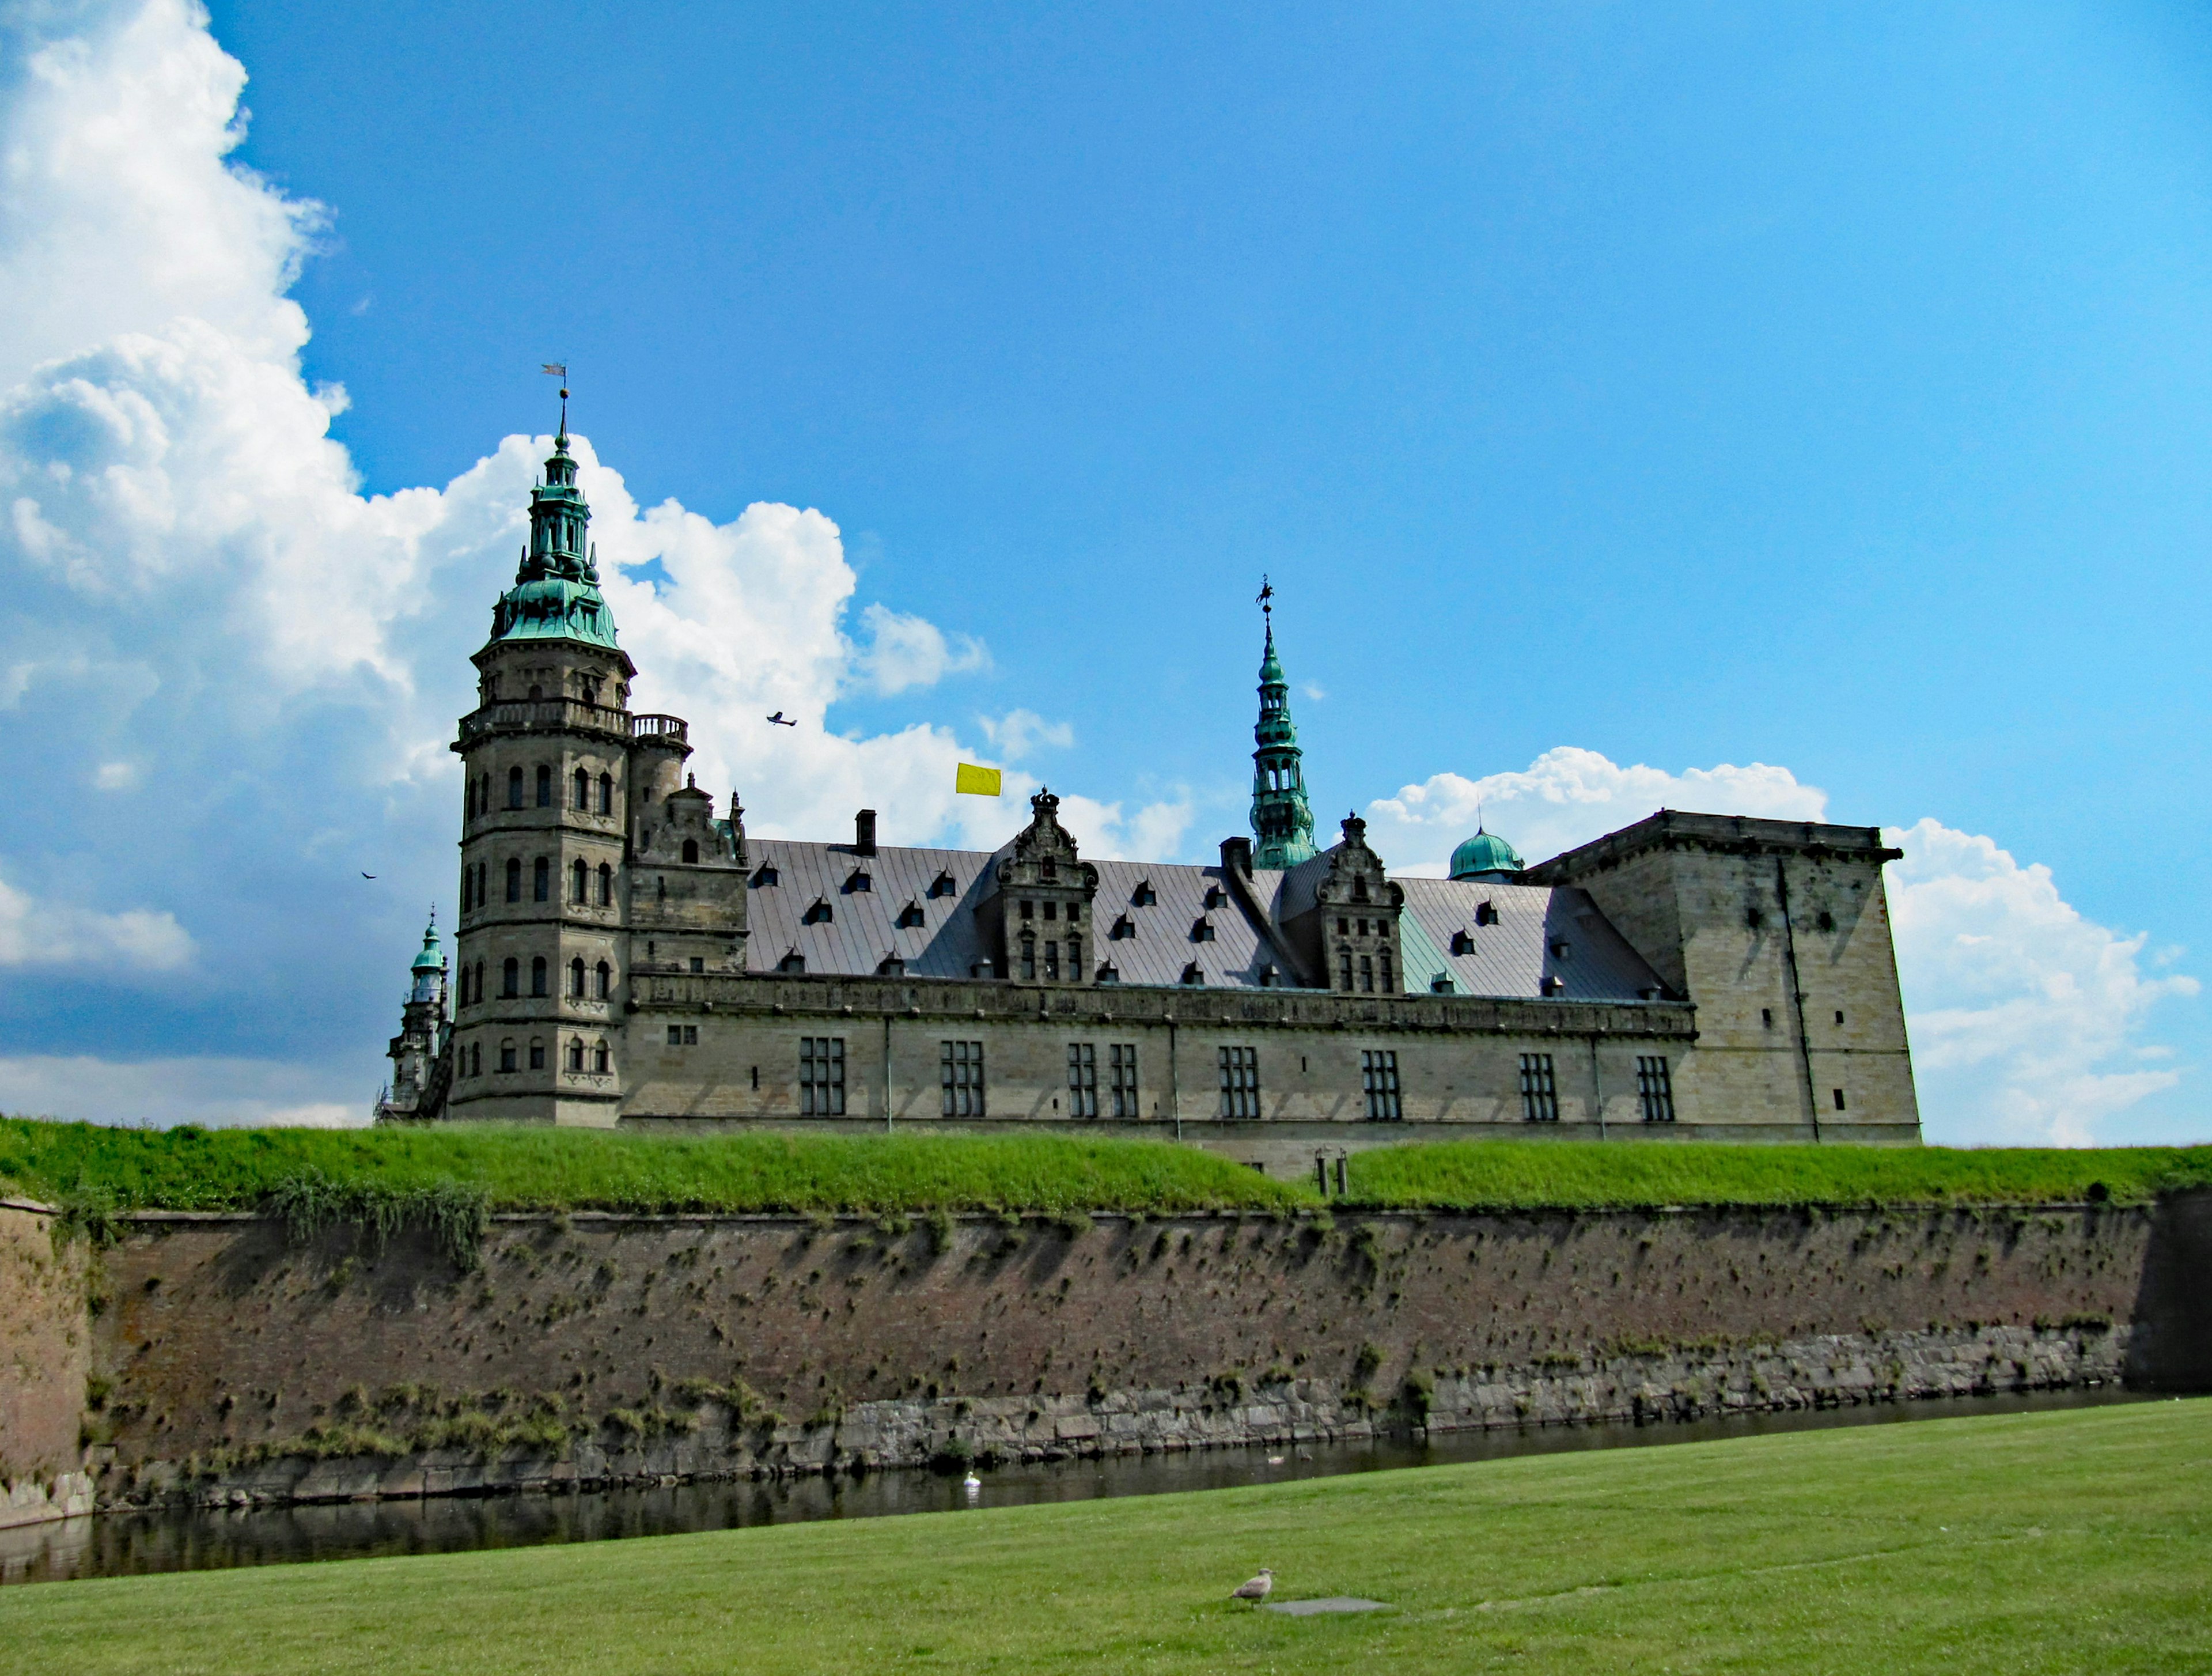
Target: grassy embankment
<point>522,1169</point>
<point>2030,1543</point>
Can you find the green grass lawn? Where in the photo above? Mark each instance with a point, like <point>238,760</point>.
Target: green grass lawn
<point>522,1169</point>
<point>2057,1541</point>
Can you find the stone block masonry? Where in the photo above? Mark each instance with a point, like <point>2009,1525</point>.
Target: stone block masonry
<point>45,1357</point>
<point>232,1365</point>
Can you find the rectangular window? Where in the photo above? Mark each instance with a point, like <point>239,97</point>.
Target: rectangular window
<point>1367,974</point>
<point>822,1076</point>
<point>1378,1077</point>
<point>1540,1092</point>
<point>1655,1089</point>
<point>1051,960</point>
<point>1240,1081</point>
<point>1082,1080</point>
<point>1839,1099</point>
<point>960,1075</point>
<point>1122,1063</point>
<point>683,1035</point>
<point>1343,969</point>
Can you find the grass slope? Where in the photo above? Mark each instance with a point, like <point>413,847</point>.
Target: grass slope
<point>520,1169</point>
<point>2027,1544</point>
<point>517,1169</point>
<point>1478,1175</point>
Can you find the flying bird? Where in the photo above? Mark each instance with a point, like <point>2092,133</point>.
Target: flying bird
<point>368,876</point>
<point>778,719</point>
<point>1257,1589</point>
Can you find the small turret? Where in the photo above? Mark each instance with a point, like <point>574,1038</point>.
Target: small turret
<point>419,1068</point>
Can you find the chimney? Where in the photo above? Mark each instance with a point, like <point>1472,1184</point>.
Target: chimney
<point>863,832</point>
<point>1237,856</point>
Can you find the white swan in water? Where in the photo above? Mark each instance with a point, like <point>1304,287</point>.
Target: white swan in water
<point>971,1481</point>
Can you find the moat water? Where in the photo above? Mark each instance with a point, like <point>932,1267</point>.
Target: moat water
<point>195,1539</point>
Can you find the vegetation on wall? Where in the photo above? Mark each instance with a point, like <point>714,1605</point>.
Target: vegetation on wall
<point>448,1178</point>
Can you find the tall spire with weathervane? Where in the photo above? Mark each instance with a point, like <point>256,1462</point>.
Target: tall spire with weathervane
<point>555,594</point>
<point>1282,819</point>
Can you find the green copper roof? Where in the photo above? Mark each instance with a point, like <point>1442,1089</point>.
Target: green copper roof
<point>1485,852</point>
<point>1282,819</point>
<point>555,594</point>
<point>429,959</point>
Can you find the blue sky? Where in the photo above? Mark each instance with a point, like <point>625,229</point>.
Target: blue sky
<point>1605,388</point>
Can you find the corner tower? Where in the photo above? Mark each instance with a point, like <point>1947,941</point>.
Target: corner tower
<point>552,763</point>
<point>1282,819</point>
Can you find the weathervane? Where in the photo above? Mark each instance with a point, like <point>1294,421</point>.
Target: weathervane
<point>1265,599</point>
<point>559,369</point>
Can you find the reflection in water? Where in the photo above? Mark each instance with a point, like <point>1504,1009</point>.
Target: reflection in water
<point>192,1539</point>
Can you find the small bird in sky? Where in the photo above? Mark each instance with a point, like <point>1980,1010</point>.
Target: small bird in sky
<point>778,719</point>
<point>368,876</point>
<point>1256,1589</point>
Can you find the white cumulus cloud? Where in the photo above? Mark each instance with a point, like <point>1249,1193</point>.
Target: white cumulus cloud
<point>35,933</point>
<point>1019,732</point>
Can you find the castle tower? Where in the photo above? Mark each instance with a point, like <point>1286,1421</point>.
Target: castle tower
<point>1282,819</point>
<point>554,765</point>
<point>418,1067</point>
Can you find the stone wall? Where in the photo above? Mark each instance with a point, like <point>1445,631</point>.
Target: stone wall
<point>45,1352</point>
<point>605,1347</point>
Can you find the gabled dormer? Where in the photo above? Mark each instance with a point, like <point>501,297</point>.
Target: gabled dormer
<point>1039,916</point>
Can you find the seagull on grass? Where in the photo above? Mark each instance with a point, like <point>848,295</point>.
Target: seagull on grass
<point>1256,1590</point>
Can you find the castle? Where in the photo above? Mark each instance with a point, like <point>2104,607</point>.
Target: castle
<point>626,956</point>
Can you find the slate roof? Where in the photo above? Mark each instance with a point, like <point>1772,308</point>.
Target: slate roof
<point>1540,931</point>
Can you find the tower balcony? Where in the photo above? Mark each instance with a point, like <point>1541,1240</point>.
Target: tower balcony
<point>569,716</point>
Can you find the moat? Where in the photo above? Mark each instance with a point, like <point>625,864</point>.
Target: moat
<point>198,1539</point>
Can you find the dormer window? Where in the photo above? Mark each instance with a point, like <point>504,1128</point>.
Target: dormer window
<point>1123,926</point>
<point>909,916</point>
<point>1144,896</point>
<point>1201,931</point>
<point>860,881</point>
<point>890,967</point>
<point>1110,973</point>
<point>1215,896</point>
<point>763,875</point>
<point>1462,943</point>
<point>1561,948</point>
<point>942,885</point>
<point>1269,976</point>
<point>1554,985</point>
<point>793,962</point>
<point>1441,984</point>
<point>1192,975</point>
<point>818,914</point>
<point>1484,914</point>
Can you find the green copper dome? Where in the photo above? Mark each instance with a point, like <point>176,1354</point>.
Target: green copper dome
<point>1282,819</point>
<point>1483,855</point>
<point>555,594</point>
<point>430,959</point>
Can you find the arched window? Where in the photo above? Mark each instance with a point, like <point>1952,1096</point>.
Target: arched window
<point>578,880</point>
<point>476,1060</point>
<point>510,974</point>
<point>576,978</point>
<point>604,981</point>
<point>690,853</point>
<point>483,795</point>
<point>479,981</point>
<point>514,879</point>
<point>606,885</point>
<point>606,794</point>
<point>507,1055</point>
<point>469,800</point>
<point>537,1053</point>
<point>541,880</point>
<point>514,788</point>
<point>583,792</point>
<point>538,974</point>
<point>575,1053</point>
<point>468,887</point>
<point>544,786</point>
<point>600,1058</point>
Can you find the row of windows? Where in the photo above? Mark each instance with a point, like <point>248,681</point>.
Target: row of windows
<point>1028,958</point>
<point>588,886</point>
<point>469,1061</point>
<point>585,796</point>
<point>1372,968</point>
<point>1539,1088</point>
<point>585,983</point>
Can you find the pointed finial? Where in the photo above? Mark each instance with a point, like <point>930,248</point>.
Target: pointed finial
<point>559,369</point>
<point>1266,601</point>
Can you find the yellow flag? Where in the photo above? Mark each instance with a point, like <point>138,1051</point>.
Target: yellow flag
<point>982,782</point>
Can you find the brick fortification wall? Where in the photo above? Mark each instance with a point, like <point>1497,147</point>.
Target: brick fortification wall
<point>46,1351</point>
<point>607,1347</point>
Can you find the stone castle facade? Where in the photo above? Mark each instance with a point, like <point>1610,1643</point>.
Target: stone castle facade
<point>626,955</point>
